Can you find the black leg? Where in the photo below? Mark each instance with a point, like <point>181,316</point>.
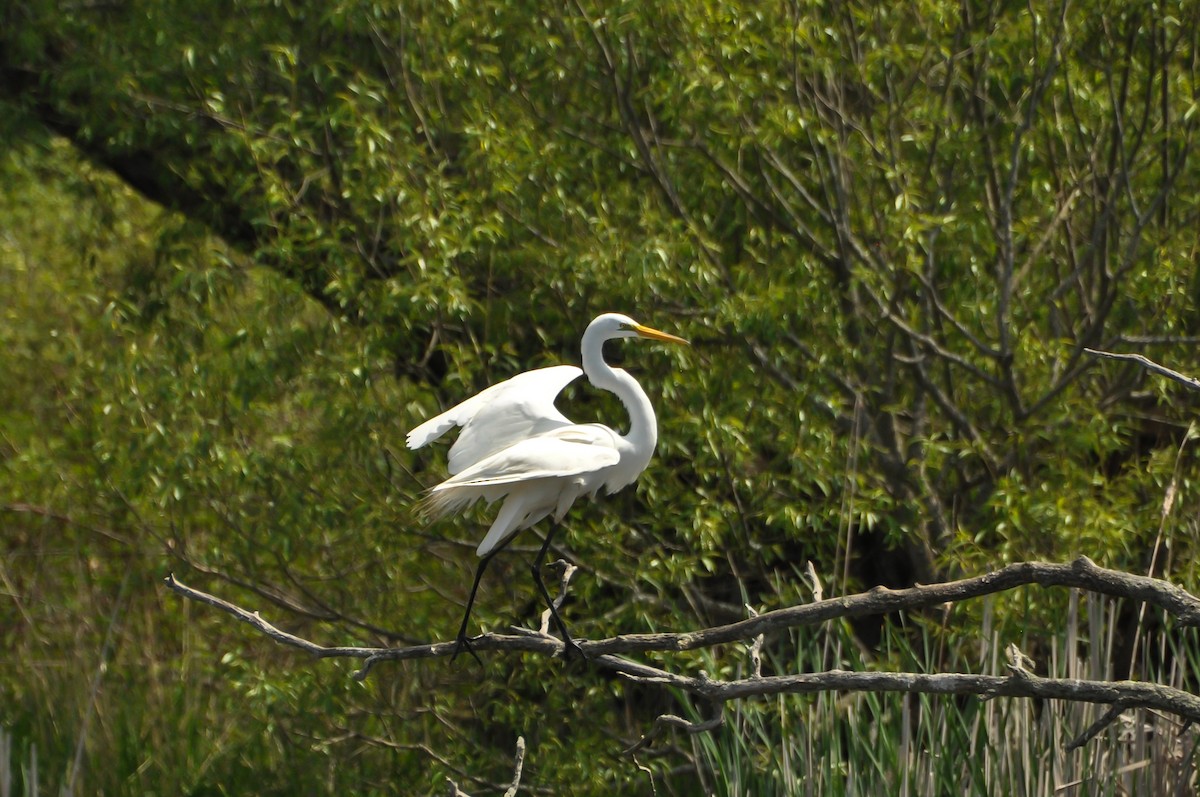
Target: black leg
<point>570,648</point>
<point>461,643</point>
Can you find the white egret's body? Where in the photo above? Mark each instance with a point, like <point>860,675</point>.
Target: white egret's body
<point>517,446</point>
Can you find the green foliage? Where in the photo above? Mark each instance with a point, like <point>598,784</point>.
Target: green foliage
<point>889,230</point>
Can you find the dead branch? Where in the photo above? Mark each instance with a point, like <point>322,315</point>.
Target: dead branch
<point>568,570</point>
<point>665,721</point>
<point>1150,365</point>
<point>612,653</point>
<point>518,765</point>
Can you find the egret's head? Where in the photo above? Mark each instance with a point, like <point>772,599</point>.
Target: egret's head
<point>616,325</point>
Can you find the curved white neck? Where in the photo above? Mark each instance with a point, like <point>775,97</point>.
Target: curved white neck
<point>643,425</point>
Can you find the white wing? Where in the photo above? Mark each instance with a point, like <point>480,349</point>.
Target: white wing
<point>500,416</point>
<point>567,451</point>
<point>538,476</point>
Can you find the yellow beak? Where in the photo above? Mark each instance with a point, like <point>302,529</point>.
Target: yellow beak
<point>654,334</point>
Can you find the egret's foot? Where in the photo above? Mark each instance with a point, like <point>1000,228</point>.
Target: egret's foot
<point>464,643</point>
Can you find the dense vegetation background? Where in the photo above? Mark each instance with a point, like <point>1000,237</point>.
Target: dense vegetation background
<point>245,246</point>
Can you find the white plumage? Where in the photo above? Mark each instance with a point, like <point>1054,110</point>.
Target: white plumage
<point>516,445</point>
<point>499,416</point>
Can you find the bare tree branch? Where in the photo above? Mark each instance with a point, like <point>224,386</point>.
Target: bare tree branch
<point>665,721</point>
<point>1149,364</point>
<point>564,582</point>
<point>610,653</point>
<point>518,765</point>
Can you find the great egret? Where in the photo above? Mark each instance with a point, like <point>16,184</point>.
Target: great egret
<point>517,446</point>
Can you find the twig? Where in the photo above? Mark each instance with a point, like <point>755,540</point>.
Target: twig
<point>46,512</point>
<point>1149,364</point>
<point>564,582</point>
<point>664,721</point>
<point>518,765</point>
<point>1105,719</point>
<point>284,638</point>
<point>756,649</point>
<point>814,580</point>
<point>511,791</point>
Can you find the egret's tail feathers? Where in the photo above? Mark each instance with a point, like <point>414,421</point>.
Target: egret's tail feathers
<point>437,504</point>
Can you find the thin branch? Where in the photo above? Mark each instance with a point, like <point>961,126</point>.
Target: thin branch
<point>928,342</point>
<point>564,582</point>
<point>665,721</point>
<point>1102,722</point>
<point>418,747</point>
<point>756,648</point>
<point>46,512</point>
<point>279,597</point>
<point>511,791</point>
<point>282,637</point>
<point>518,765</point>
<point>1147,363</point>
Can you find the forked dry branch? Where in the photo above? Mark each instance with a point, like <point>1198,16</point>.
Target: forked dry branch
<point>614,653</point>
